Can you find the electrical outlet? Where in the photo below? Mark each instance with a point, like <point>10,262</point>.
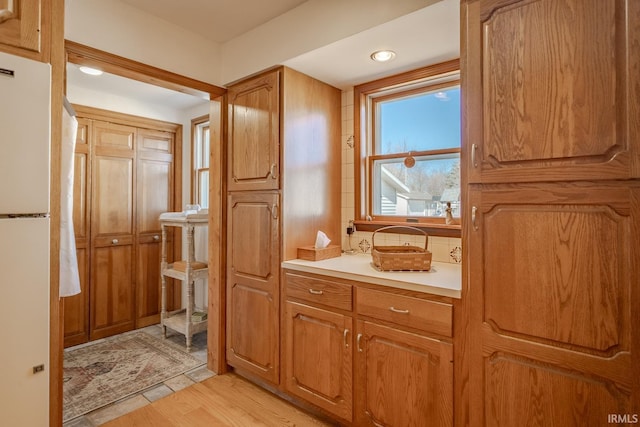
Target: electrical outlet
<point>38,368</point>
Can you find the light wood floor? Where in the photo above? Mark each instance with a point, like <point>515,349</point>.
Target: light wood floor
<point>225,400</point>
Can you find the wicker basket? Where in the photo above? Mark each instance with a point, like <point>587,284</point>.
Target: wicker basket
<point>401,258</point>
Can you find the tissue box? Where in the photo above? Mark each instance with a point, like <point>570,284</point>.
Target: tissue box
<point>311,253</point>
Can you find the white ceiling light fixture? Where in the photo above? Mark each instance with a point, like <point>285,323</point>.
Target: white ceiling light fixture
<point>91,71</point>
<point>383,55</point>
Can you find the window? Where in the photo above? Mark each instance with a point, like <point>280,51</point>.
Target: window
<point>409,147</point>
<point>200,135</point>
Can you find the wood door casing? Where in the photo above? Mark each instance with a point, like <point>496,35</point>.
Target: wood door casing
<point>317,357</point>
<point>253,266</point>
<point>112,230</point>
<point>76,307</point>
<point>554,82</point>
<point>571,343</point>
<point>402,378</point>
<point>254,134</point>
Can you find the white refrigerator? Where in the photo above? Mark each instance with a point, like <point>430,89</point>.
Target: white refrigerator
<point>25,115</point>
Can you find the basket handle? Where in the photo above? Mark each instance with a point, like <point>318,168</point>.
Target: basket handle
<point>426,236</point>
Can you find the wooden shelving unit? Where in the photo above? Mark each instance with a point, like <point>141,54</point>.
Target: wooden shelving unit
<point>180,320</point>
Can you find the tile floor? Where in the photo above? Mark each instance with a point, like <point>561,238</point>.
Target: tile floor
<point>131,403</point>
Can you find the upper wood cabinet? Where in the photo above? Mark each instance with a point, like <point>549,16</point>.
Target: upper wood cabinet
<point>551,90</point>
<point>25,27</point>
<point>254,133</point>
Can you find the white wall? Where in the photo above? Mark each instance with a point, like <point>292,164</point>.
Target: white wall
<point>311,25</point>
<point>118,28</point>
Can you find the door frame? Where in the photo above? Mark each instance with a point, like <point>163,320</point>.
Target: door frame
<point>79,54</point>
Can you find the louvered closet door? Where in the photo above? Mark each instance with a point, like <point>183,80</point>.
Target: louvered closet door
<point>112,230</point>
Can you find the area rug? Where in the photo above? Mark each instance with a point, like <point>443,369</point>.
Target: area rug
<point>102,373</point>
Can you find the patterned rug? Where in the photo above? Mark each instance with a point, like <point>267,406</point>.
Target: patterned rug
<point>102,373</point>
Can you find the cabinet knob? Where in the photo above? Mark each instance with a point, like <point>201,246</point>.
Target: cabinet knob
<point>114,241</point>
<point>156,238</point>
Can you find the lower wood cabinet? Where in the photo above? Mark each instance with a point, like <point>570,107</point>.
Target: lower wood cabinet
<point>394,369</point>
<point>402,378</point>
<point>317,359</point>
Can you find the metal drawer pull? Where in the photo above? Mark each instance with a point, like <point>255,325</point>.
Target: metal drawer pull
<point>156,238</point>
<point>344,336</point>
<point>397,310</point>
<point>358,339</point>
<point>273,170</point>
<point>474,147</point>
<point>474,211</point>
<point>114,241</point>
<point>314,292</point>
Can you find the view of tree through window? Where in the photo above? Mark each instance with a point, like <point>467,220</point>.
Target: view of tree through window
<point>416,161</point>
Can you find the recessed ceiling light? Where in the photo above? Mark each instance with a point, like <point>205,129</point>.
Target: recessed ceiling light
<point>383,55</point>
<point>91,71</point>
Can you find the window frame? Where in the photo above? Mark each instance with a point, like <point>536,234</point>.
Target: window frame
<point>196,125</point>
<point>433,77</point>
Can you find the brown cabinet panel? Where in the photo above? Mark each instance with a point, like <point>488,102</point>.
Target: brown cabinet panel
<point>147,282</point>
<point>20,24</point>
<point>553,81</point>
<point>519,390</point>
<point>403,379</point>
<point>317,358</point>
<point>112,291</point>
<point>254,132</point>
<point>113,196</point>
<point>155,185</point>
<point>252,331</point>
<point>253,266</point>
<point>114,137</point>
<point>76,307</point>
<point>80,196</point>
<point>319,291</point>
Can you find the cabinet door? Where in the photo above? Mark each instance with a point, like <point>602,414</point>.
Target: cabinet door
<point>254,134</point>
<point>403,379</point>
<point>317,358</point>
<point>155,189</point>
<point>76,307</point>
<point>550,91</point>
<point>552,295</point>
<point>112,230</point>
<point>20,25</point>
<point>253,266</point>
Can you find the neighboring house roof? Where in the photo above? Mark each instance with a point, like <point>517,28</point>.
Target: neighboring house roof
<point>390,179</point>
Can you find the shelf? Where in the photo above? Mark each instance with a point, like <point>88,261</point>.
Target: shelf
<point>178,323</point>
<point>200,273</point>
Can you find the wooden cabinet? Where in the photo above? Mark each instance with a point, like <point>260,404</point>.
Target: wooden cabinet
<point>318,343</point>
<point>125,169</point>
<point>155,160</point>
<point>394,369</point>
<point>404,360</point>
<point>551,95</point>
<point>25,27</point>
<point>254,134</point>
<point>253,270</point>
<point>283,186</point>
<point>552,227</point>
<point>76,308</point>
<point>112,292</point>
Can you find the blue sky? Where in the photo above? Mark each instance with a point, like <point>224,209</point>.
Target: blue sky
<point>433,114</point>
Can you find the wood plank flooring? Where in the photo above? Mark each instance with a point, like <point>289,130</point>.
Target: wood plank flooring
<point>224,400</point>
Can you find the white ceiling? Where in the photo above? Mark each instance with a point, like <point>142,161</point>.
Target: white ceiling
<point>426,36</point>
<point>216,20</point>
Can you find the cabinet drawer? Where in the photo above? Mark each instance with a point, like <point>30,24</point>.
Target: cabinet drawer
<point>319,291</point>
<point>417,313</point>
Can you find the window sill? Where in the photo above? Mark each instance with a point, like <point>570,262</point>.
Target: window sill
<point>432,229</point>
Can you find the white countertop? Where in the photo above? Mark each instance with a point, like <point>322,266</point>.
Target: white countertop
<point>443,279</point>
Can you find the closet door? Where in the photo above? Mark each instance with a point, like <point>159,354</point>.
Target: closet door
<point>76,308</point>
<point>112,291</point>
<point>155,155</point>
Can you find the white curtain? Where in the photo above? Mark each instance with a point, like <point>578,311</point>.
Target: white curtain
<point>69,277</point>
